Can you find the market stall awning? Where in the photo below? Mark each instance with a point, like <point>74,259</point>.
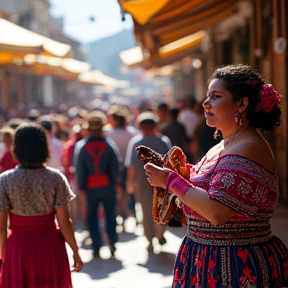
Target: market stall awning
<point>132,57</point>
<point>174,21</point>
<point>148,8</point>
<point>182,44</point>
<point>96,77</point>
<point>16,40</point>
<point>59,67</point>
<point>166,55</point>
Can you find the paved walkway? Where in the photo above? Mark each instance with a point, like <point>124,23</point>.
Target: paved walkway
<point>133,266</point>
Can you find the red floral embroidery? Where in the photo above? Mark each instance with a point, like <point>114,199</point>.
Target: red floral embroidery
<point>183,254</point>
<point>193,280</point>
<point>242,254</point>
<point>211,264</point>
<point>246,271</point>
<point>272,262</point>
<point>177,274</point>
<point>247,276</point>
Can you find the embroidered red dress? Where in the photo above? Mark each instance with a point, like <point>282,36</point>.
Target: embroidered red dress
<point>243,252</point>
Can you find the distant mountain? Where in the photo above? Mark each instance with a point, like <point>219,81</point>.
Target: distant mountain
<point>103,54</point>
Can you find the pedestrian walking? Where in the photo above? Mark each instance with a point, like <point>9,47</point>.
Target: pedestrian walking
<point>121,133</point>
<point>68,152</point>
<point>232,191</point>
<point>6,160</point>
<point>175,130</point>
<point>55,144</point>
<point>34,254</point>
<point>98,177</point>
<point>136,177</point>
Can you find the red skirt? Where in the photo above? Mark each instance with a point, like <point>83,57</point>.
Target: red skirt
<point>35,254</point>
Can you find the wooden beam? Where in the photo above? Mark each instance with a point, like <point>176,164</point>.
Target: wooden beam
<point>190,27</point>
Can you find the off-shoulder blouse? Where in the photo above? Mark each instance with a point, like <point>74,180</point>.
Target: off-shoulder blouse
<point>240,183</point>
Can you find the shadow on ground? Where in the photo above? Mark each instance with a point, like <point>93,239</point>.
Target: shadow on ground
<point>160,263</point>
<point>99,268</point>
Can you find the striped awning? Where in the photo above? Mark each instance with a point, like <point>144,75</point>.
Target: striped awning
<point>173,23</point>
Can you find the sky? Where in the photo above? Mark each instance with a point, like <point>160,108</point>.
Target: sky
<point>76,14</point>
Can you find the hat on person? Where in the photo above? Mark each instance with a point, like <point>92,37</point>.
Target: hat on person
<point>7,130</point>
<point>14,122</point>
<point>33,114</point>
<point>46,122</point>
<point>147,117</point>
<point>95,120</point>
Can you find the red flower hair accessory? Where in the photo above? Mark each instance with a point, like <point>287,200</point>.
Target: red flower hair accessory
<point>269,97</point>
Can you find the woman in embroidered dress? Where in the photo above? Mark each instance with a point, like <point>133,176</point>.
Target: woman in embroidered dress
<point>34,254</point>
<point>232,191</point>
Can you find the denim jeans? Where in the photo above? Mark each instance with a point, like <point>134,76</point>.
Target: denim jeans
<point>107,197</point>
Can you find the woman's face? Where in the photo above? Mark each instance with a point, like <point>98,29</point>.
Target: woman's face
<point>219,107</point>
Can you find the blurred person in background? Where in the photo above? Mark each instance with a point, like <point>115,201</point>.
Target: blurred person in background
<point>31,195</point>
<point>98,179</point>
<point>136,177</point>
<point>67,160</point>
<point>60,127</point>
<point>7,160</point>
<point>14,122</point>
<point>163,113</point>
<point>121,133</point>
<point>175,131</point>
<point>56,145</point>
<point>189,119</point>
<point>33,115</point>
<point>80,202</point>
<point>203,138</point>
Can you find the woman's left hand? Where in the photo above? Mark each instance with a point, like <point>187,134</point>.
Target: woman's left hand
<point>155,174</point>
<point>78,264</point>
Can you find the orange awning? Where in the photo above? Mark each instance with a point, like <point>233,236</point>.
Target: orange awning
<point>18,41</point>
<point>142,10</point>
<point>175,23</point>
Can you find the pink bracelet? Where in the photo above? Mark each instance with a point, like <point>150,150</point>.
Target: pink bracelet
<point>175,181</point>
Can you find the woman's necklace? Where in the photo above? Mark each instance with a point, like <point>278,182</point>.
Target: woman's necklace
<point>210,158</point>
<point>227,140</point>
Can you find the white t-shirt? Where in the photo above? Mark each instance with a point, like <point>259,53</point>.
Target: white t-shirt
<point>190,121</point>
<point>121,137</point>
<point>56,149</point>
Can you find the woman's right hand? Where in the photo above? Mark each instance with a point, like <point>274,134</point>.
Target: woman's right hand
<point>78,264</point>
<point>156,175</point>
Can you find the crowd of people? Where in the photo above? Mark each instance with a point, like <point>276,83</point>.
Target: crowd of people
<point>95,150</point>
<point>87,159</point>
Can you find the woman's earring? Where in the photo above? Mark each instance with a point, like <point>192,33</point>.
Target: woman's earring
<point>238,120</point>
<point>216,134</point>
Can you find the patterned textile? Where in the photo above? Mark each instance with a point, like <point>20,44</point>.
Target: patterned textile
<point>31,192</point>
<point>242,252</point>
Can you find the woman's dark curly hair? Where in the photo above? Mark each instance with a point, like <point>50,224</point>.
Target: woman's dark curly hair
<point>242,81</point>
<point>31,147</point>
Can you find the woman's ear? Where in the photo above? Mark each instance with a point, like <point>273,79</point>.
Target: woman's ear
<point>243,104</point>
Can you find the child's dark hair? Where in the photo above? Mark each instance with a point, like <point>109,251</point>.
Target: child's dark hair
<point>31,145</point>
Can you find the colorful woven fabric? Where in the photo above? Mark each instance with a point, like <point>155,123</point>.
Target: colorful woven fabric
<point>243,252</point>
